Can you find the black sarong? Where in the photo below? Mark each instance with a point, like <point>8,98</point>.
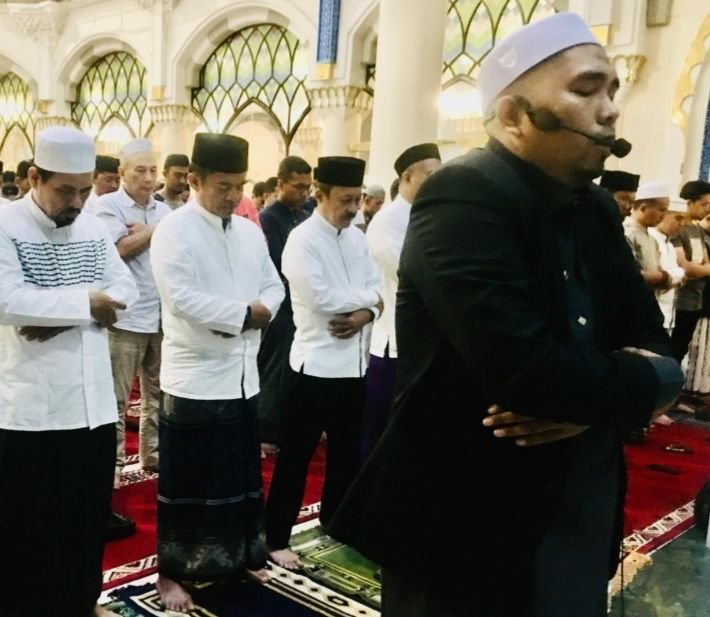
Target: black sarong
<point>210,499</point>
<point>55,497</point>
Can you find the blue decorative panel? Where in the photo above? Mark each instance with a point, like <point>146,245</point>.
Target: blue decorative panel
<point>328,25</point>
<point>705,158</point>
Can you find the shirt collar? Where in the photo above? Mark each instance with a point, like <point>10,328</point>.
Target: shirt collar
<point>630,221</point>
<point>325,226</point>
<point>126,200</point>
<point>36,211</point>
<point>217,222</point>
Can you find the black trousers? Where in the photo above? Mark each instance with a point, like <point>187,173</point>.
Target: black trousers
<point>316,404</point>
<point>55,496</point>
<point>685,322</point>
<point>403,596</point>
<point>274,372</point>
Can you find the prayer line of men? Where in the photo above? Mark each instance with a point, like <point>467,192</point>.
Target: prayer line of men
<point>198,286</point>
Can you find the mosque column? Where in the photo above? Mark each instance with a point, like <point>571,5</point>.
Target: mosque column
<point>410,45</point>
<point>341,111</point>
<point>174,129</point>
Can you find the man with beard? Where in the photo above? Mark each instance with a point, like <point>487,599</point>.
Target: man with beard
<point>525,336</point>
<point>335,292</point>
<point>175,173</point>
<point>277,221</point>
<point>62,283</point>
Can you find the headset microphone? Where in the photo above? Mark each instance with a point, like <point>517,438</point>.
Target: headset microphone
<point>544,120</point>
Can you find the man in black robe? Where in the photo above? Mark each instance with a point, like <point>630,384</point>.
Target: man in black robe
<point>521,320</point>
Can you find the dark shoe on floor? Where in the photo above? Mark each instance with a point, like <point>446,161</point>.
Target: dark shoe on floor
<point>119,526</point>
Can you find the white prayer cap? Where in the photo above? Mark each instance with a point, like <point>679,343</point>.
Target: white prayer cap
<point>374,190</point>
<point>678,205</point>
<point>526,48</point>
<point>65,150</point>
<point>652,190</point>
<point>136,146</point>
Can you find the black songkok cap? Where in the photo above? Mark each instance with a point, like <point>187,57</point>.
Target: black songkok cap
<point>222,153</point>
<point>340,171</point>
<point>619,181</point>
<point>107,164</point>
<point>414,155</point>
<point>176,160</point>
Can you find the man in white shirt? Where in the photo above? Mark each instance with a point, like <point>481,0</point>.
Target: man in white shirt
<point>373,196</point>
<point>61,284</point>
<point>335,293</point>
<point>106,180</point>
<point>385,237</point>
<point>131,216</point>
<point>219,289</point>
<point>662,233</point>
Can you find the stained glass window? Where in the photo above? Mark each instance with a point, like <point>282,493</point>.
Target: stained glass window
<point>474,26</point>
<point>16,108</point>
<point>114,88</point>
<point>264,65</point>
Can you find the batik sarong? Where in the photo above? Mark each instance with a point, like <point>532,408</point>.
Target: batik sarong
<point>210,500</point>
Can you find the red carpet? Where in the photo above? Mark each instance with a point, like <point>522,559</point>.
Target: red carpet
<point>138,501</point>
<point>653,494</point>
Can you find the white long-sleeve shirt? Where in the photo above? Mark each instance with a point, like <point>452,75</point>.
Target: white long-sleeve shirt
<point>207,276</point>
<point>385,238</point>
<point>330,273</point>
<point>46,274</point>
<point>669,263</point>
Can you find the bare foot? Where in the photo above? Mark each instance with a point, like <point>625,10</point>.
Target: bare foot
<point>260,576</point>
<point>664,420</point>
<point>173,596</point>
<point>100,611</point>
<point>286,558</point>
<point>268,449</point>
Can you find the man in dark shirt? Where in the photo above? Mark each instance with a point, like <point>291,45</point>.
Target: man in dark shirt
<point>693,258</point>
<point>277,221</point>
<point>522,320</point>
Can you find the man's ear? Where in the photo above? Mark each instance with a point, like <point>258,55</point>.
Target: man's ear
<point>510,114</point>
<point>33,176</point>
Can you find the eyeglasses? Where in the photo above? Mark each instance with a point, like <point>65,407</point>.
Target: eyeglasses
<point>304,188</point>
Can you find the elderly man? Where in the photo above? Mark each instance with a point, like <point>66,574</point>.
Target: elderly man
<point>336,295</point>
<point>131,216</point>
<point>61,284</point>
<point>522,320</point>
<point>385,237</point>
<point>175,169</point>
<point>218,289</point>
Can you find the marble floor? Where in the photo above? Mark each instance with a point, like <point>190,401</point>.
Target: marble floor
<point>676,584</point>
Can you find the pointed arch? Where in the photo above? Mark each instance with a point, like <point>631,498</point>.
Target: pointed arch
<point>114,86</point>
<point>264,65</point>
